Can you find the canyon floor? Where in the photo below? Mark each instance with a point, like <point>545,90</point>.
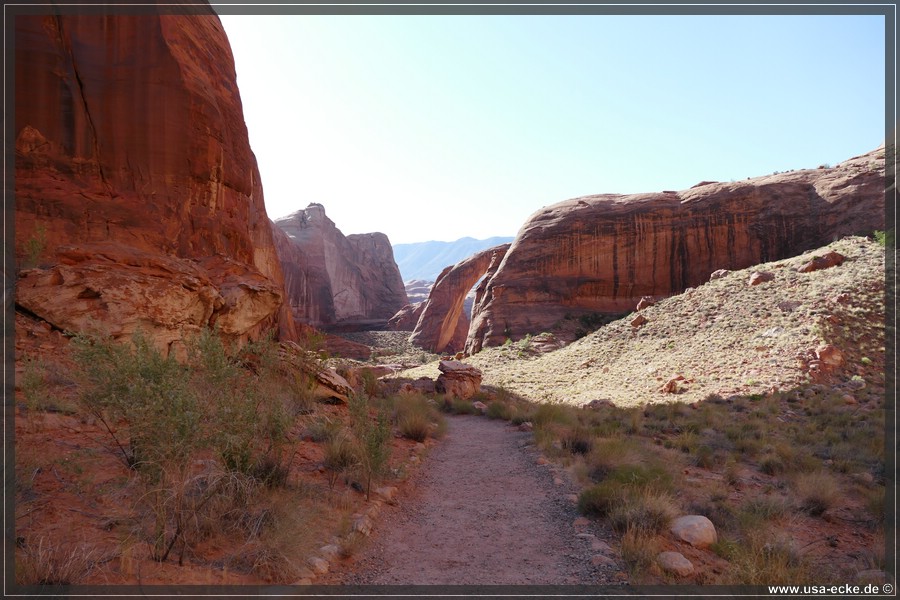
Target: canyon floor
<point>781,449</point>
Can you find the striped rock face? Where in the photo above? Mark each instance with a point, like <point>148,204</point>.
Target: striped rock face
<point>602,254</point>
<point>134,177</point>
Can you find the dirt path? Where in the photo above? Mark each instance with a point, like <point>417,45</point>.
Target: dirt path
<point>482,511</point>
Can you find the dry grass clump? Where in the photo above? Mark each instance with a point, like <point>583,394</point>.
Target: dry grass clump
<point>50,564</point>
<point>816,492</point>
<point>417,417</point>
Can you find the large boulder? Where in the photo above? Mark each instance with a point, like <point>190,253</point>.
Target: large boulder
<point>458,379</point>
<point>138,201</point>
<point>335,279</point>
<point>602,254</point>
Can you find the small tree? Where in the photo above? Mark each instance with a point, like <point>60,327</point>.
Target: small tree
<point>372,436</point>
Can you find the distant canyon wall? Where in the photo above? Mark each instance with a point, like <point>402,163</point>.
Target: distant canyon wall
<point>601,254</point>
<point>337,280</point>
<point>138,202</point>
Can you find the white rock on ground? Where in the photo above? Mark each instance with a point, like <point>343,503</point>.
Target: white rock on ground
<point>696,530</point>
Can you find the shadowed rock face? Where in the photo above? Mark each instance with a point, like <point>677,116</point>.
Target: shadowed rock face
<point>134,178</point>
<point>335,279</point>
<point>603,253</point>
<point>442,325</point>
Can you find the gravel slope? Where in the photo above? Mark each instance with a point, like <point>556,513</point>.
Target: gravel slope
<point>725,337</point>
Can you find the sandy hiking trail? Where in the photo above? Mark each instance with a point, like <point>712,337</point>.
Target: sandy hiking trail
<point>481,511</point>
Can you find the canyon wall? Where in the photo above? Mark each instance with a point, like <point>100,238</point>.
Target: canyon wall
<point>333,280</point>
<point>138,202</point>
<point>601,254</point>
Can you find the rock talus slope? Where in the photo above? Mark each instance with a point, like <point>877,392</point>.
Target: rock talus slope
<point>601,254</point>
<point>138,198</point>
<point>335,279</point>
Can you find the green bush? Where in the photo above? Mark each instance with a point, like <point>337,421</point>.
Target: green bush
<point>160,414</point>
<point>415,417</point>
<point>372,437</point>
<point>598,499</point>
<point>499,410</point>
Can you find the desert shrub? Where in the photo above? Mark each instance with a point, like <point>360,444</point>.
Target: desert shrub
<point>322,429</point>
<point>151,393</point>
<point>172,411</point>
<point>706,457</point>
<point>608,454</point>
<point>597,500</point>
<point>761,561</point>
<point>547,413</point>
<point>499,410</point>
<point>577,440</point>
<point>35,246</point>
<point>764,508</point>
<point>816,492</point>
<point>642,476</point>
<point>771,465</point>
<point>372,437</point>
<point>369,383</point>
<point>341,455</point>
<point>415,426</point>
<point>416,418</point>
<point>884,238</point>
<point>644,510</point>
<point>459,406</point>
<point>639,550</point>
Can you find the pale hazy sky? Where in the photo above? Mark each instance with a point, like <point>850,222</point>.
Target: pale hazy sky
<point>439,127</point>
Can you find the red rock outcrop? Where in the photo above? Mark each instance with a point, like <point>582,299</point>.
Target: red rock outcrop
<point>332,279</point>
<point>406,318</point>
<point>601,254</point>
<point>442,325</point>
<point>138,201</point>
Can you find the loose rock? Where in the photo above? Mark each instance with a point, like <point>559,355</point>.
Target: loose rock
<point>696,530</point>
<point>675,562</point>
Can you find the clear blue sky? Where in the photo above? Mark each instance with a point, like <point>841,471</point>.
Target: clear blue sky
<point>439,127</point>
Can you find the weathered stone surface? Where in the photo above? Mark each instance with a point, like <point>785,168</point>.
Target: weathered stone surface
<point>675,563</point>
<point>718,274</point>
<point>831,259</point>
<point>603,253</point>
<point>439,327</point>
<point>645,302</point>
<point>329,385</point>
<point>319,565</point>
<point>130,134</point>
<point>638,320</point>
<point>458,379</point>
<point>334,279</point>
<point>758,277</point>
<point>696,530</point>
<point>829,357</point>
<point>406,318</point>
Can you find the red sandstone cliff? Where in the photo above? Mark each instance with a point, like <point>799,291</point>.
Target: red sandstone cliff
<point>337,280</point>
<point>603,253</point>
<point>136,192</point>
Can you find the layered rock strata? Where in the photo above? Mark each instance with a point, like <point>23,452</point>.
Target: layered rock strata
<point>332,279</point>
<point>602,254</point>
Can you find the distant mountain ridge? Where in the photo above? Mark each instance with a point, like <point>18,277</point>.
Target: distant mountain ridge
<point>426,260</point>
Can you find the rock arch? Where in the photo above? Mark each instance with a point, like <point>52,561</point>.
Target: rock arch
<point>438,328</point>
